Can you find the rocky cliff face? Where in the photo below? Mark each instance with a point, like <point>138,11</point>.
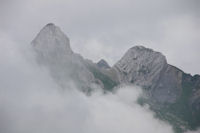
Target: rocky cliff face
<point>140,66</point>
<point>149,69</point>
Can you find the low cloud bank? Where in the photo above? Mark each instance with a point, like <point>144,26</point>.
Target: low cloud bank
<point>31,102</point>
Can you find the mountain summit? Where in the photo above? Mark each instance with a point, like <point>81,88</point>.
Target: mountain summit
<point>103,64</point>
<point>140,65</point>
<point>52,40</point>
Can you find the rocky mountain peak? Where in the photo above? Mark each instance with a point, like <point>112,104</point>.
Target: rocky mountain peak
<point>52,40</point>
<point>139,47</point>
<point>103,64</point>
<point>143,52</point>
<point>140,65</point>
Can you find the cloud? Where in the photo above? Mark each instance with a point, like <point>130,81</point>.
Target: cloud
<point>31,102</point>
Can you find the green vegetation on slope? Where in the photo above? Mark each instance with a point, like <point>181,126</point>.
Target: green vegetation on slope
<point>108,83</point>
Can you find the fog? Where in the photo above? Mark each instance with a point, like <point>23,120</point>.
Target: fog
<point>31,102</point>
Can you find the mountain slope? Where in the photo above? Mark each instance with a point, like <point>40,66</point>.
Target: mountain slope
<point>53,50</point>
<point>170,91</point>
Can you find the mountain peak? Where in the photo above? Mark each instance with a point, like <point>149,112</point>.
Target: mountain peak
<point>50,24</point>
<point>143,53</point>
<point>139,47</point>
<point>139,64</point>
<point>103,64</point>
<point>50,27</point>
<point>142,48</point>
<point>52,40</point>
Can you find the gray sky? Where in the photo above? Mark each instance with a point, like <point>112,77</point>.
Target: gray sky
<point>107,28</point>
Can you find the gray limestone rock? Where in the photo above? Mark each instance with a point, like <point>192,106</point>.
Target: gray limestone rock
<point>150,70</point>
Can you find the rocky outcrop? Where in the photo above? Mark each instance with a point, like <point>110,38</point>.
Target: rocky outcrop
<point>140,66</point>
<point>147,68</point>
<point>103,64</point>
<point>51,41</point>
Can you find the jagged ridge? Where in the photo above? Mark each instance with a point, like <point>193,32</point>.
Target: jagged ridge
<point>169,90</point>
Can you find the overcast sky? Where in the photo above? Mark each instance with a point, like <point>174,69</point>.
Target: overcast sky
<point>108,28</point>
